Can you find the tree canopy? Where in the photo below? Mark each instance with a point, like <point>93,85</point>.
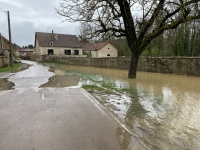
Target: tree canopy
<point>29,46</point>
<point>140,21</point>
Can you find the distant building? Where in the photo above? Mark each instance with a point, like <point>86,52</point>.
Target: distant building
<point>57,44</point>
<point>25,53</point>
<point>104,49</point>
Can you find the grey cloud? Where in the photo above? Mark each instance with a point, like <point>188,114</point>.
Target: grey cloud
<point>21,33</point>
<point>28,17</point>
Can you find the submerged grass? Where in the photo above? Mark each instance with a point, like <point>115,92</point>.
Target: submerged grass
<point>109,88</point>
<point>92,87</point>
<point>10,69</point>
<point>50,64</point>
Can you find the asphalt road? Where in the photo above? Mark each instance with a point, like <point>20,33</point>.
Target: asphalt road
<point>33,118</point>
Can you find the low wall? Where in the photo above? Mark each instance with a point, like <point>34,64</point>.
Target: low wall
<point>175,65</point>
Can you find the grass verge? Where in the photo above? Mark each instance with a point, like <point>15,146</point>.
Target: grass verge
<point>92,87</point>
<point>9,69</point>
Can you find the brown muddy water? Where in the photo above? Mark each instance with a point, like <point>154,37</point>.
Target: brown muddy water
<point>161,110</point>
<point>62,78</point>
<point>7,85</point>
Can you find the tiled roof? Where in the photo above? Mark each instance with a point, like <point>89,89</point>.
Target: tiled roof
<point>100,45</point>
<point>63,40</point>
<point>4,38</point>
<point>88,47</point>
<point>14,46</point>
<point>92,46</point>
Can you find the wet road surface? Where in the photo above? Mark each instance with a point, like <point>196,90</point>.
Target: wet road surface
<point>162,110</point>
<point>56,118</point>
<point>33,77</point>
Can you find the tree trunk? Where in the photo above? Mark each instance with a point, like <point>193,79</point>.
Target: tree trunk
<point>133,66</point>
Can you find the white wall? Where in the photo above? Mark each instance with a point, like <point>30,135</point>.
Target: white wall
<point>107,49</point>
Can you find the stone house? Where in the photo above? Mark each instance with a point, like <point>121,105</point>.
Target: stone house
<point>4,51</point>
<point>103,49</point>
<point>57,44</point>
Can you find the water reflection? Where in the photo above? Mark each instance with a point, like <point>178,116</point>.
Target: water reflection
<point>5,85</point>
<point>62,78</point>
<point>164,111</point>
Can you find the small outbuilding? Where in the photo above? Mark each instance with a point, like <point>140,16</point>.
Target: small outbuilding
<point>103,49</point>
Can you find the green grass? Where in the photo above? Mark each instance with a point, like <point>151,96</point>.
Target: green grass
<point>92,87</point>
<point>96,88</point>
<point>107,87</point>
<point>53,65</point>
<point>9,69</point>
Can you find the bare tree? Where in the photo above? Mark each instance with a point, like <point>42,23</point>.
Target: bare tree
<point>140,21</point>
<point>83,37</point>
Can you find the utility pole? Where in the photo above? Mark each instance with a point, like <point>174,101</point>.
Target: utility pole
<point>10,42</point>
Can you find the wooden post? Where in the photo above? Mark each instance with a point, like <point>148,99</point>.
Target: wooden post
<point>10,42</point>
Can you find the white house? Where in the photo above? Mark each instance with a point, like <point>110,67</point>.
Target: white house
<point>57,44</point>
<point>104,49</point>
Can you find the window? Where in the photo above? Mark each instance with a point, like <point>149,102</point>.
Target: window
<point>51,43</point>
<point>50,52</point>
<point>67,52</point>
<point>76,52</point>
<point>108,55</point>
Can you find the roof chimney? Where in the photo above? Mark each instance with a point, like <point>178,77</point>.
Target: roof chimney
<point>56,36</point>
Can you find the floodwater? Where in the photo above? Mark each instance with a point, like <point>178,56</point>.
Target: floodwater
<point>62,79</point>
<point>5,84</point>
<point>163,112</point>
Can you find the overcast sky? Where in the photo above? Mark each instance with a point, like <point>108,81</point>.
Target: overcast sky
<point>30,16</point>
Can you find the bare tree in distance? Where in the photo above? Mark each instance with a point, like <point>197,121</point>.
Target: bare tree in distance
<point>82,35</point>
<point>140,21</point>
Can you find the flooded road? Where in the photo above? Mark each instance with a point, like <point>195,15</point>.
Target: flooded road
<point>161,110</point>
<point>62,79</point>
<point>32,77</point>
<point>57,116</point>
<point>5,84</point>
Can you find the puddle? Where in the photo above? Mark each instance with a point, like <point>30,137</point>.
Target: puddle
<point>62,79</point>
<point>5,84</point>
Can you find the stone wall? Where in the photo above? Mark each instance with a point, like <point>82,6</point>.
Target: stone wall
<point>172,65</point>
<point>175,65</point>
<point>4,61</point>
